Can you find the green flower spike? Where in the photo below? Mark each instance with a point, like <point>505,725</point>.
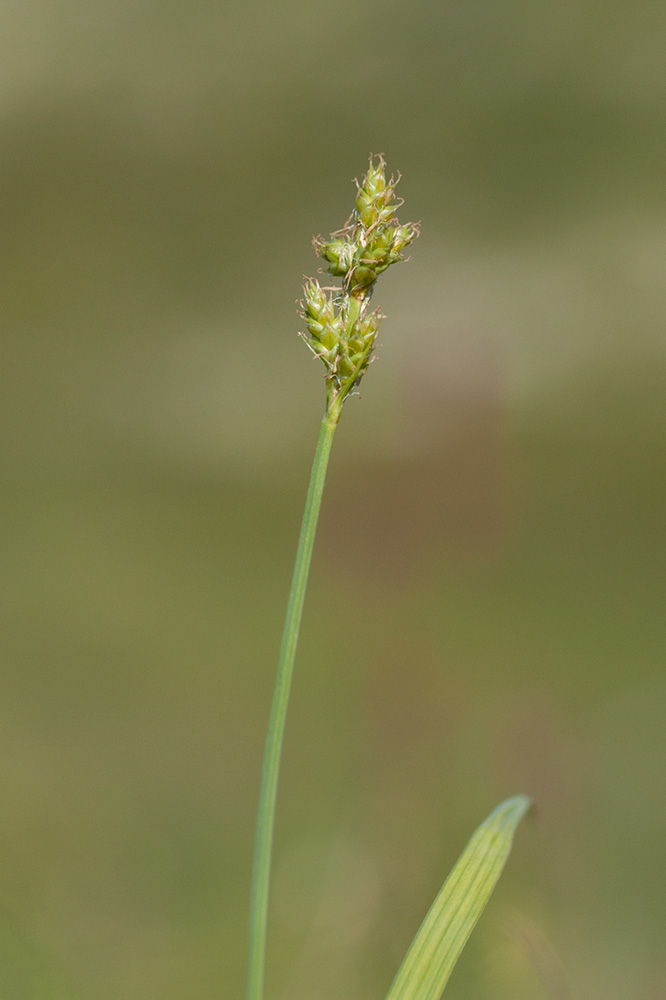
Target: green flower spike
<point>341,331</point>
<point>340,328</point>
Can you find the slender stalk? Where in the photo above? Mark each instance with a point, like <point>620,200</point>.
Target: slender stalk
<point>342,333</point>
<point>271,767</point>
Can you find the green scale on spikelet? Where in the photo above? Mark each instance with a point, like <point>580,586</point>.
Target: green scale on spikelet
<point>341,330</point>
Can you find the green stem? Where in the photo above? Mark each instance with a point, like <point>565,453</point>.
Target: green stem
<point>271,767</point>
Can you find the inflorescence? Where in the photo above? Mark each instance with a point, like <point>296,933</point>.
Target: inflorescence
<point>340,328</point>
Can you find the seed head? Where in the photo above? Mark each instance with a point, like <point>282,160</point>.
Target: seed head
<point>341,330</point>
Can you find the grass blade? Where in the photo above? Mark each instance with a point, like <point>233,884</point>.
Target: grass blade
<point>452,917</point>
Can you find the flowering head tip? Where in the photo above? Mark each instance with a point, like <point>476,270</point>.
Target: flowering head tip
<point>341,330</point>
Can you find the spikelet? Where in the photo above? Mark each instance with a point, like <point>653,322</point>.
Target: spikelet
<point>340,328</point>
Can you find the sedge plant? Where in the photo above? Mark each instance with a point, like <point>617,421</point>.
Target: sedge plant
<point>341,330</point>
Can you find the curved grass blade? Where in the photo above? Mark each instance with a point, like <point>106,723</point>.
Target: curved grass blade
<point>451,919</point>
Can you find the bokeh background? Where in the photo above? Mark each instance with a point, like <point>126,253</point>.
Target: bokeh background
<point>487,595</point>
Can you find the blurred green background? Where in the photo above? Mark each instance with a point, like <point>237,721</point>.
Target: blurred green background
<point>487,595</point>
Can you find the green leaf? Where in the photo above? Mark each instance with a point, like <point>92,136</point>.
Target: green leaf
<point>451,919</point>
